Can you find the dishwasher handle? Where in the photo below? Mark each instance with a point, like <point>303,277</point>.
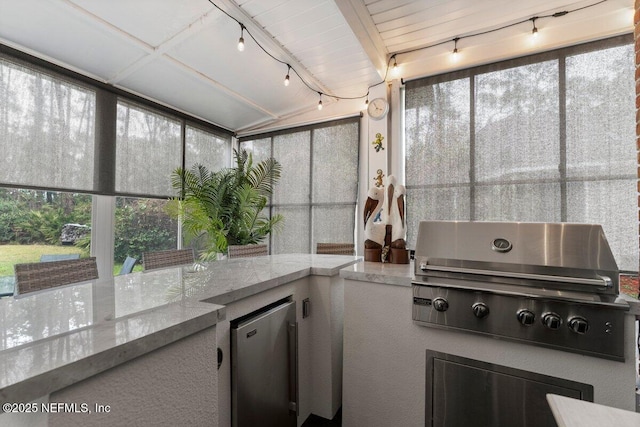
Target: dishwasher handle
<point>292,329</point>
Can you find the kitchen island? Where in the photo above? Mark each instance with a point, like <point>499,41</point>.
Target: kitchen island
<point>385,360</point>
<point>143,346</point>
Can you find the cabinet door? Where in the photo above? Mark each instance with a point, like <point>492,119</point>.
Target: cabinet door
<point>466,392</point>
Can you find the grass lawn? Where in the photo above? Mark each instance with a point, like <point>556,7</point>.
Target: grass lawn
<point>19,254</point>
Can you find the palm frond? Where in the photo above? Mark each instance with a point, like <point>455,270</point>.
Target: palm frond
<point>226,207</point>
<point>264,175</point>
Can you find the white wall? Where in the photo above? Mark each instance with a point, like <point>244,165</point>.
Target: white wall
<point>174,385</point>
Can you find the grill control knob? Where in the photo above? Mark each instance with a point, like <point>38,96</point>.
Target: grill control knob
<point>526,317</point>
<point>440,304</point>
<point>480,310</point>
<point>551,320</point>
<point>579,325</point>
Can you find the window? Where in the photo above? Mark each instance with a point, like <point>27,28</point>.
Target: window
<point>65,137</point>
<point>546,138</point>
<point>142,225</point>
<point>317,192</point>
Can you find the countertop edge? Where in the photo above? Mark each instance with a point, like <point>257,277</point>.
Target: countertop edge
<point>570,412</point>
<point>59,377</point>
<point>377,272</point>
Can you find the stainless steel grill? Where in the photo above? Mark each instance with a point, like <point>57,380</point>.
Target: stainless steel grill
<point>549,284</point>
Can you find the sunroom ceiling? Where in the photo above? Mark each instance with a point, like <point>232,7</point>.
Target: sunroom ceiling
<point>183,53</point>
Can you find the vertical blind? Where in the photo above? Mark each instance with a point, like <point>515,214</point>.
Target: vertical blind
<point>547,138</point>
<point>317,193</point>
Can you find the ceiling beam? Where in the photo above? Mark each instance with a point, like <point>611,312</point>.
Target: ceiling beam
<point>357,16</point>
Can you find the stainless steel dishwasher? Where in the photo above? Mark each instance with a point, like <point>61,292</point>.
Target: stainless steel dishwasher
<point>264,367</point>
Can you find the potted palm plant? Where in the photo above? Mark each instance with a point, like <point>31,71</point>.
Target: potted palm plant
<point>226,207</point>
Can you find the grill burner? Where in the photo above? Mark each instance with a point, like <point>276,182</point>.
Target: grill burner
<point>549,284</point>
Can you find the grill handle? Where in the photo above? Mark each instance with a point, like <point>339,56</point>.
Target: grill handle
<point>599,282</point>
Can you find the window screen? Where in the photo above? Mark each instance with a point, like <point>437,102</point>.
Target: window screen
<point>148,150</point>
<point>546,138</point>
<point>317,192</point>
<point>46,130</point>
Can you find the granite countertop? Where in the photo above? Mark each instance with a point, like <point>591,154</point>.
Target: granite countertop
<point>402,274</point>
<point>51,339</point>
<point>570,412</point>
<point>379,272</point>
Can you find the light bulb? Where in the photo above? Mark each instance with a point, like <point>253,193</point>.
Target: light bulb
<point>454,54</point>
<point>241,39</point>
<point>366,103</point>
<point>286,79</point>
<point>320,102</point>
<point>534,32</point>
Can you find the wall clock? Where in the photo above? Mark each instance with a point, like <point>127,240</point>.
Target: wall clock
<point>378,108</point>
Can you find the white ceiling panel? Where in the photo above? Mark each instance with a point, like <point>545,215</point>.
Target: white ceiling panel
<point>151,21</point>
<point>245,73</point>
<point>183,53</point>
<point>66,36</point>
<point>163,79</point>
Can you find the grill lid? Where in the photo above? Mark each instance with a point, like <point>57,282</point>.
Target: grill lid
<point>552,255</point>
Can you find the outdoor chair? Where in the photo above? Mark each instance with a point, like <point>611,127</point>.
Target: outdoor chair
<point>246,251</point>
<point>169,258</point>
<point>44,275</point>
<point>58,257</point>
<point>127,265</point>
<point>335,248</point>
